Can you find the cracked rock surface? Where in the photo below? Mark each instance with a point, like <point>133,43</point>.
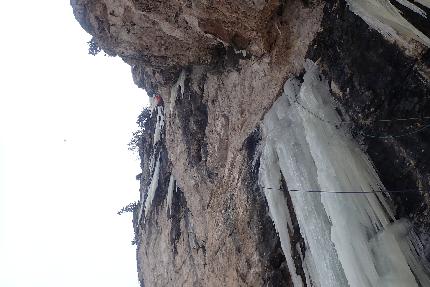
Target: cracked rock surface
<point>219,66</point>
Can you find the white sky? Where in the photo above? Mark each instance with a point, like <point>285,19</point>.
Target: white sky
<point>58,199</point>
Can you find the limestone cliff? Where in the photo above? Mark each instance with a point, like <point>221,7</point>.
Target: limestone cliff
<point>219,66</point>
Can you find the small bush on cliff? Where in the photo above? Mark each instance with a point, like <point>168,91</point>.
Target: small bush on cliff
<point>134,208</point>
<point>135,139</point>
<point>93,47</point>
<point>142,122</point>
<point>131,207</point>
<point>143,118</point>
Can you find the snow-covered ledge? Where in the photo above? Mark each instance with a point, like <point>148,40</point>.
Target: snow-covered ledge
<point>350,239</point>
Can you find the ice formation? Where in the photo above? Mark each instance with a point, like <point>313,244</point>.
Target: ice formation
<point>351,239</point>
<point>159,125</point>
<point>387,19</point>
<point>145,205</point>
<point>425,3</point>
<point>242,52</point>
<point>180,84</point>
<point>170,191</point>
<point>278,208</point>
<point>152,187</point>
<point>154,167</point>
<point>412,7</point>
<point>152,104</point>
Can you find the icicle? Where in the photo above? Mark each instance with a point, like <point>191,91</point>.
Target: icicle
<point>152,187</point>
<point>425,3</point>
<point>159,125</point>
<point>154,166</point>
<point>385,18</point>
<point>152,104</point>
<point>412,7</point>
<point>270,175</point>
<point>172,184</point>
<point>349,238</point>
<point>180,83</point>
<point>145,205</point>
<point>283,130</point>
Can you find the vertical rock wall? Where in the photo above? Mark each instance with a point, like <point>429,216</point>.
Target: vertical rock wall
<point>219,66</point>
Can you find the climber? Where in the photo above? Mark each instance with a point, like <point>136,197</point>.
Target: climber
<point>158,100</point>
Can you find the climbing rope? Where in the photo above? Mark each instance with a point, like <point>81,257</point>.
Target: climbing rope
<point>353,192</point>
<point>336,124</point>
<point>398,135</point>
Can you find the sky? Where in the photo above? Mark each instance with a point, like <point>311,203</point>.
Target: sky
<point>65,169</point>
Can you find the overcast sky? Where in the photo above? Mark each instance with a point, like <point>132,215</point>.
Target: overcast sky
<point>65,120</point>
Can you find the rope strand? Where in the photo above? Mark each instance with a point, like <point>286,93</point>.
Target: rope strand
<point>335,124</point>
<point>354,192</point>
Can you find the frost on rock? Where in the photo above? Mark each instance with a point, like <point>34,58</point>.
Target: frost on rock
<point>180,84</point>
<point>388,20</point>
<point>351,239</point>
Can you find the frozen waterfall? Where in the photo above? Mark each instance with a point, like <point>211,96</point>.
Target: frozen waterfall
<point>384,17</point>
<point>350,239</point>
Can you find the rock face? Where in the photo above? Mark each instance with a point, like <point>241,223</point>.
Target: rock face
<point>203,218</point>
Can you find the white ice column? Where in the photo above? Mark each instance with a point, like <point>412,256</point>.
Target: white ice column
<point>351,239</point>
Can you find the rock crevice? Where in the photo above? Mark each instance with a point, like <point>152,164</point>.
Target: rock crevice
<point>219,66</point>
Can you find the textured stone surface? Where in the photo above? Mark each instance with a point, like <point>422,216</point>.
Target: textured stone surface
<point>235,56</point>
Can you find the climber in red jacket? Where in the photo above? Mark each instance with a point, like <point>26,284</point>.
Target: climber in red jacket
<point>158,100</point>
